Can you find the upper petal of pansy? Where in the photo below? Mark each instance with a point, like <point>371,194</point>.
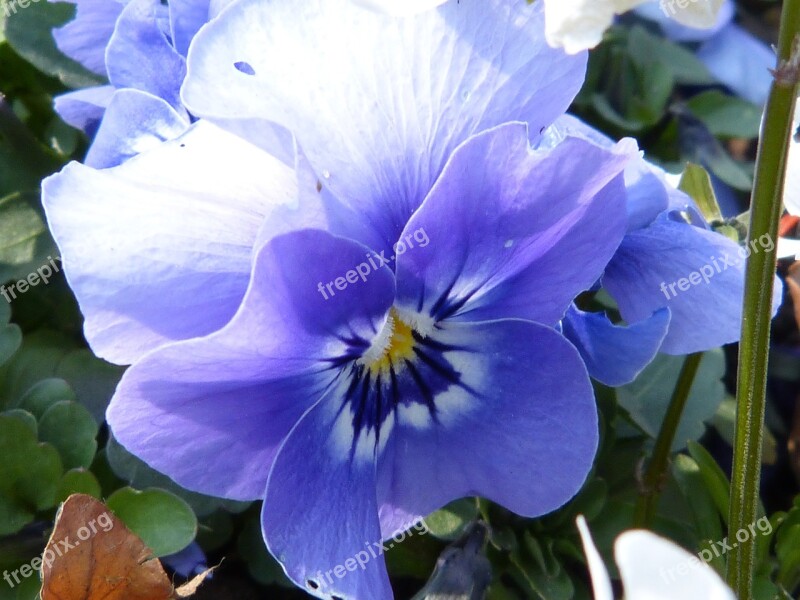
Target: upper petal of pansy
<point>647,190</point>
<point>186,18</point>
<point>85,38</point>
<point>320,511</point>
<point>134,122</point>
<point>84,109</point>
<point>140,56</point>
<point>378,103</point>
<point>159,249</point>
<point>648,565</point>
<point>615,355</point>
<point>740,61</point>
<point>517,423</point>
<point>212,412</point>
<point>517,237</point>
<point>696,273</point>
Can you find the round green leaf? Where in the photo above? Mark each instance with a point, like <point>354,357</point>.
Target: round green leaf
<point>29,474</point>
<point>25,417</point>
<point>72,430</point>
<point>78,481</point>
<point>10,340</point>
<point>45,394</point>
<point>164,522</point>
<point>450,522</point>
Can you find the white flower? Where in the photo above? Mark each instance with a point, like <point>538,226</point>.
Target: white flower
<point>577,25</point>
<point>653,568</point>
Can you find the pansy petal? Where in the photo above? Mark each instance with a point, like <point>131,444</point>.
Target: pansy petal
<point>646,186</point>
<point>134,123</point>
<point>661,13</point>
<point>601,582</point>
<point>212,412</point>
<point>657,569</point>
<point>186,18</point>
<point>400,9</point>
<point>533,248</point>
<point>140,56</point>
<point>740,61</point>
<point>84,109</point>
<point>518,427</point>
<point>379,103</point>
<point>85,38</point>
<point>320,513</point>
<point>696,273</point>
<point>615,355</point>
<point>159,249</point>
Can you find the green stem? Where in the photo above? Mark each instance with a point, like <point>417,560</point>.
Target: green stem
<point>766,209</point>
<point>653,479</point>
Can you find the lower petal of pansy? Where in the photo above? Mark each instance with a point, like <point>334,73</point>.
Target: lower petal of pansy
<point>133,123</point>
<point>533,248</point>
<point>511,417</point>
<point>615,355</point>
<point>211,412</point>
<point>320,515</point>
<point>696,273</point>
<point>159,249</point>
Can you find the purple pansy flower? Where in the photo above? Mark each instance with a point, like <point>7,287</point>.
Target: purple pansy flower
<point>354,402</point>
<point>667,241</point>
<point>140,46</point>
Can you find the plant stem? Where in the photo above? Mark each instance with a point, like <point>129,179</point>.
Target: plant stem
<point>653,479</point>
<point>766,209</point>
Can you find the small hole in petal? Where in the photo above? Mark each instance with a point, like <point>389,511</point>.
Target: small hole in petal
<point>312,584</point>
<point>244,67</point>
<point>336,598</point>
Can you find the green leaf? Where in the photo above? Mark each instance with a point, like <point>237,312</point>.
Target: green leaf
<point>78,481</point>
<point>726,116</point>
<point>707,518</point>
<point>25,161</point>
<point>450,522</point>
<point>541,569</point>
<point>260,563</point>
<point>164,522</point>
<point>10,341</point>
<point>646,50</point>
<point>714,478</point>
<point>46,354</point>
<point>25,244</point>
<point>30,33</point>
<point>647,398</point>
<point>29,475</point>
<point>725,424</point>
<point>696,182</point>
<point>25,417</point>
<point>70,428</point>
<point>45,394</point>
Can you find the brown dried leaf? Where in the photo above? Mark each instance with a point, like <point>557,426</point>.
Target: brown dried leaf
<point>92,555</point>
